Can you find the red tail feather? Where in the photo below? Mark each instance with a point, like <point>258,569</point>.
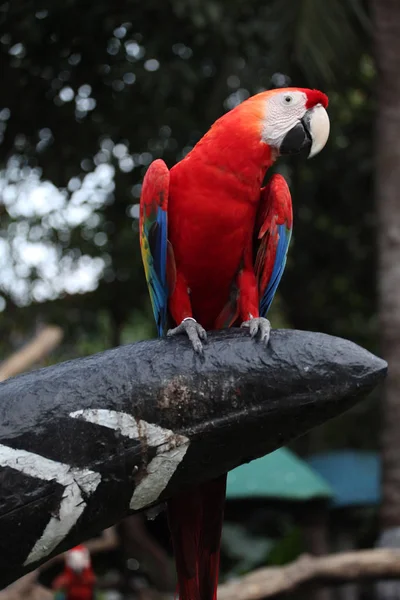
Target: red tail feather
<point>195,520</point>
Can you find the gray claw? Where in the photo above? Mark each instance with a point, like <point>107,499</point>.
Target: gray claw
<point>195,332</point>
<point>260,326</point>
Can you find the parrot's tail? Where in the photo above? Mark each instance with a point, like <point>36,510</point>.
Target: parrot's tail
<point>195,521</point>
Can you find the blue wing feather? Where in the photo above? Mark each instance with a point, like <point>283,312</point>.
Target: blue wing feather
<point>154,239</point>
<point>279,266</point>
<point>274,227</point>
<point>160,251</point>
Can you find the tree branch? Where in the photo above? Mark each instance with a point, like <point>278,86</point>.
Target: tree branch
<point>332,569</point>
<point>45,341</point>
<point>26,588</point>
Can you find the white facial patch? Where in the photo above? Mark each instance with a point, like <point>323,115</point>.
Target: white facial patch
<point>283,111</point>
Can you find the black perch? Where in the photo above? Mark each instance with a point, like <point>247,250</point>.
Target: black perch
<point>86,442</point>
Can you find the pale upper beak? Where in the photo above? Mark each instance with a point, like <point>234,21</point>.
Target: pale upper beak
<point>309,135</point>
<point>317,123</point>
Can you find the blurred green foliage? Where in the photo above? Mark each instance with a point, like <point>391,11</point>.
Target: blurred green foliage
<point>87,84</point>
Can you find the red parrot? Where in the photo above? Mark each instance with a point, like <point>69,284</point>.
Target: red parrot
<point>77,580</point>
<point>214,244</point>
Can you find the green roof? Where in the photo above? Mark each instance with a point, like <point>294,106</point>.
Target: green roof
<point>280,475</point>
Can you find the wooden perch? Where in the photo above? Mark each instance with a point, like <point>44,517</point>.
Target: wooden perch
<point>108,540</point>
<point>26,588</point>
<point>86,442</point>
<point>325,570</point>
<point>33,352</point>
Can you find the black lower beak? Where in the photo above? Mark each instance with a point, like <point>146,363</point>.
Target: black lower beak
<point>297,140</point>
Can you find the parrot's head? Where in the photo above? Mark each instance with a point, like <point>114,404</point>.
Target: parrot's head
<point>78,559</point>
<point>295,120</point>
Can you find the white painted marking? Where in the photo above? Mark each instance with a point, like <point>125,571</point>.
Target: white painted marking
<point>171,448</point>
<point>159,473</point>
<point>72,504</point>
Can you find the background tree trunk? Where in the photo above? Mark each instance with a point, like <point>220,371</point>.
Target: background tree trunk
<point>387,31</point>
<point>386,14</point>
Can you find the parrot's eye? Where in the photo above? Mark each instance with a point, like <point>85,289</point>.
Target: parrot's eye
<point>288,99</point>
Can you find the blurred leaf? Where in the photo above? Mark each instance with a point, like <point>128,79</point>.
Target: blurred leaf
<point>288,548</point>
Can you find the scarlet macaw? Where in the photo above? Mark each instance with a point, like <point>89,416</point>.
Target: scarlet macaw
<point>77,581</point>
<point>214,246</point>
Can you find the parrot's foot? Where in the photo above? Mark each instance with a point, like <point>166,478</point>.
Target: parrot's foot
<point>260,326</point>
<point>195,332</point>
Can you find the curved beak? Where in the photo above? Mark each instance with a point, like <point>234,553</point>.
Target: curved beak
<point>316,120</point>
<point>309,135</point>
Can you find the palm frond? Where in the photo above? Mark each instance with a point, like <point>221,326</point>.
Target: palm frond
<point>321,38</point>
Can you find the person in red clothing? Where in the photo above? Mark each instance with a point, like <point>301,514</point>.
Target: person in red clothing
<point>78,579</point>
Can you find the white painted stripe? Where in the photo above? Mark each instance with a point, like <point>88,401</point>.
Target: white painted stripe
<point>72,504</point>
<point>171,448</point>
<point>127,425</point>
<point>159,473</point>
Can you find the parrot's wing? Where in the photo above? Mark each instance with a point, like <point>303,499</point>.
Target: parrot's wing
<point>154,245</point>
<point>273,232</point>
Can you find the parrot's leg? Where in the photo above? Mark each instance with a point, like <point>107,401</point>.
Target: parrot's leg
<point>258,325</point>
<point>180,309</point>
<point>249,301</point>
<point>195,332</point>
